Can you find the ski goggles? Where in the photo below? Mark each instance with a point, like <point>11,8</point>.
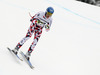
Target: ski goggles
<point>48,13</point>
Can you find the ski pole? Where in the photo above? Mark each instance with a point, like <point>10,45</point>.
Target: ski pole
<point>30,15</point>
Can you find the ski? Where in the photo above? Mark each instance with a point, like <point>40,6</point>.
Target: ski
<point>14,54</point>
<point>27,61</point>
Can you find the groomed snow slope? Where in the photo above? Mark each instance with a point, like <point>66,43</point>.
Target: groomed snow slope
<point>71,47</point>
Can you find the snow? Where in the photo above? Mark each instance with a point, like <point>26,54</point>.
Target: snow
<point>71,47</point>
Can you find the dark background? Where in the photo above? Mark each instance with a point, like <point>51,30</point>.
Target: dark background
<point>93,2</point>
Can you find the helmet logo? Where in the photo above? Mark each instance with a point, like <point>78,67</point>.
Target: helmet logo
<point>50,9</point>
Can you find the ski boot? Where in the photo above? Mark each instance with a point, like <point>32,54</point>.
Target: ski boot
<point>15,51</point>
<point>27,55</point>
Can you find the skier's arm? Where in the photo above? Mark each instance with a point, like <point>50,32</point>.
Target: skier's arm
<point>34,17</point>
<point>47,26</point>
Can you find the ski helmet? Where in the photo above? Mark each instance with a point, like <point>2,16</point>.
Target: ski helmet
<point>50,10</point>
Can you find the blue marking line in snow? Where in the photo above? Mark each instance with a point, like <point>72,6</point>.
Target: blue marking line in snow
<point>58,5</point>
<point>16,6</point>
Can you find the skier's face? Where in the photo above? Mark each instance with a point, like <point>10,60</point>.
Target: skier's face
<point>48,14</point>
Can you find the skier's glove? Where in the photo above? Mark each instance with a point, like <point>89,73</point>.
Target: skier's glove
<point>31,19</point>
<point>47,26</point>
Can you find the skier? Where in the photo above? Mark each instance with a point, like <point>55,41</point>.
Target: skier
<point>39,21</point>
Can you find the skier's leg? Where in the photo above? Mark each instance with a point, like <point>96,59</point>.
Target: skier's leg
<point>37,35</point>
<point>28,35</point>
